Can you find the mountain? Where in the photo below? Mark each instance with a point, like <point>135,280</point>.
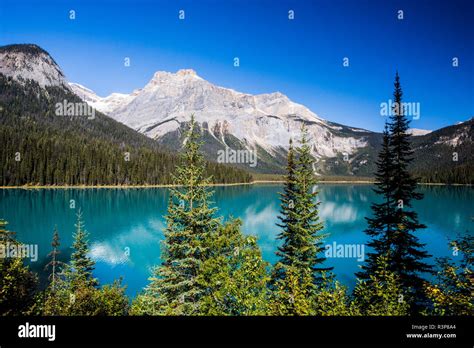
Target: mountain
<point>42,146</point>
<point>149,123</point>
<point>262,123</point>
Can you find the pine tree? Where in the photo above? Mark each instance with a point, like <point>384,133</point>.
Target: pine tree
<point>381,225</point>
<point>81,265</point>
<point>190,220</point>
<point>407,252</point>
<point>301,253</point>
<point>54,263</point>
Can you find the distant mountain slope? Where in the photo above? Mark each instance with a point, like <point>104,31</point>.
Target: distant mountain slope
<point>40,147</point>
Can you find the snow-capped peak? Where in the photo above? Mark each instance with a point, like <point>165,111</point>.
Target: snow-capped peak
<point>106,105</point>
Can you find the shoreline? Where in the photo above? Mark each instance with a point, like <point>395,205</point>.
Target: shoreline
<point>255,182</point>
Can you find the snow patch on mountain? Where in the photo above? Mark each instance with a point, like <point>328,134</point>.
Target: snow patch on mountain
<point>417,132</point>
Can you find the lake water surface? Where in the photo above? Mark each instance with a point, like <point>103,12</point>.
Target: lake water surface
<point>126,225</point>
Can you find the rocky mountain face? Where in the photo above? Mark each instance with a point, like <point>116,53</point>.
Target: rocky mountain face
<point>30,62</point>
<point>261,123</point>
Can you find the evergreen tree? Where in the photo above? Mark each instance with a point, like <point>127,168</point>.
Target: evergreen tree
<point>301,252</point>
<point>406,251</point>
<point>381,225</point>
<point>81,265</point>
<point>190,221</point>
<point>54,263</point>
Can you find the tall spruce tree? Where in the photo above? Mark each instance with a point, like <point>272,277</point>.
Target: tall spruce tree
<point>54,264</point>
<point>298,272</point>
<point>407,252</point>
<point>190,221</point>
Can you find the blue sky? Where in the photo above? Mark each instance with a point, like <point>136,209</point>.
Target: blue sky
<point>301,58</point>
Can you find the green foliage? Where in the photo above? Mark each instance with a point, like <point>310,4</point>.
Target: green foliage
<point>452,293</point>
<point>73,290</point>
<point>83,299</point>
<point>17,282</point>
<point>17,287</point>
<point>331,297</point>
<point>209,268</point>
<point>294,295</point>
<point>382,294</point>
<point>234,276</point>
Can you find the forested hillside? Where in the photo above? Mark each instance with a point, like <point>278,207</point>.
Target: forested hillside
<point>39,147</point>
<point>445,155</point>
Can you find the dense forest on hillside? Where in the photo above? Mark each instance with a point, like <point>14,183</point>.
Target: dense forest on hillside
<point>39,147</point>
<point>445,155</point>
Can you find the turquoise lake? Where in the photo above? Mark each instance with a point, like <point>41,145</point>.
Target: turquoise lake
<point>126,225</point>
